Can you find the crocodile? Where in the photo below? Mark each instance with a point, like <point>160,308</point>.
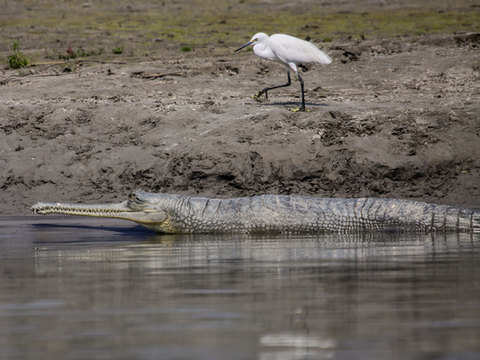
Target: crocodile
<point>167,213</point>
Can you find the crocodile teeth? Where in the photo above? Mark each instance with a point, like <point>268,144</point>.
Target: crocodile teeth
<point>51,208</point>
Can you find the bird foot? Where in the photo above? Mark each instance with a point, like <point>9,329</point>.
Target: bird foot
<point>298,108</point>
<point>258,96</point>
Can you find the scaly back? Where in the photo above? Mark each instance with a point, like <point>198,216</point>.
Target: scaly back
<point>304,214</point>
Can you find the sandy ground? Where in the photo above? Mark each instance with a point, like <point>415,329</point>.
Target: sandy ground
<point>397,117</point>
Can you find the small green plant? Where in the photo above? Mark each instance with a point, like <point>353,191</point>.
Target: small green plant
<point>17,60</point>
<point>118,50</point>
<point>82,53</point>
<point>185,49</point>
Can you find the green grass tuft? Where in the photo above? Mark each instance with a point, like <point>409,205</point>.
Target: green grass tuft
<point>17,60</point>
<point>117,50</point>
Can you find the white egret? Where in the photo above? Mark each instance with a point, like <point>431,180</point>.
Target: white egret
<point>290,51</point>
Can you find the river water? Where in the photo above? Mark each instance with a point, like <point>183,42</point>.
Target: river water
<point>79,288</point>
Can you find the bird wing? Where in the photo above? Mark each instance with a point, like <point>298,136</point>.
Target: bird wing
<point>264,52</point>
<point>294,50</point>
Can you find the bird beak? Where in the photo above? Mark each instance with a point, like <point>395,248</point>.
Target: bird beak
<point>244,45</point>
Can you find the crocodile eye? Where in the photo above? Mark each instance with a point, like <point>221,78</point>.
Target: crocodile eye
<point>134,198</point>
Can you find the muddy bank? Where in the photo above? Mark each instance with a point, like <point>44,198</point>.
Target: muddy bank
<point>389,117</point>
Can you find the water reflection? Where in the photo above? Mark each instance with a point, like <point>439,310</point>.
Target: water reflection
<point>82,289</point>
<point>290,345</point>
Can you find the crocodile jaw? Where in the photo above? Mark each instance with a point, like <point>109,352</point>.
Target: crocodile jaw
<point>150,218</point>
<point>98,210</point>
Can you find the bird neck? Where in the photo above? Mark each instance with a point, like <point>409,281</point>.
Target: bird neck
<point>263,50</point>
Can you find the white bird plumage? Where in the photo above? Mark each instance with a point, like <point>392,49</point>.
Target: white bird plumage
<point>288,50</point>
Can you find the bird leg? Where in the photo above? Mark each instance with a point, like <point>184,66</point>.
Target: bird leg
<point>265,91</point>
<point>302,108</point>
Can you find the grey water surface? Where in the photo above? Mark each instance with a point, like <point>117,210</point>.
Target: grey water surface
<point>77,288</point>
